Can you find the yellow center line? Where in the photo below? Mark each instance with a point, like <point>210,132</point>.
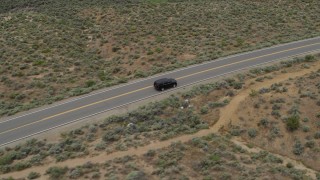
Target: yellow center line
<point>81,107</point>
<point>250,59</point>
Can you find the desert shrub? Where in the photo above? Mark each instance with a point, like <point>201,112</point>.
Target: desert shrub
<point>33,175</point>
<point>78,132</point>
<point>113,135</point>
<point>63,156</point>
<point>292,173</point>
<point>235,132</point>
<point>253,93</point>
<point>8,158</point>
<point>289,165</point>
<point>306,128</point>
<point>75,173</point>
<point>252,132</point>
<point>38,158</point>
<point>56,172</point>
<point>21,165</point>
<point>298,148</point>
<point>75,147</point>
<point>260,79</point>
<point>100,146</point>
<point>293,122</point>
<point>218,104</point>
<point>274,132</point>
<point>305,119</point>
<point>225,175</point>
<point>237,85</point>
<point>276,113</point>
<point>230,93</point>
<point>318,124</point>
<point>309,58</point>
<point>88,165</point>
<point>198,142</point>
<point>277,100</point>
<point>93,128</point>
<point>90,137</point>
<point>56,149</point>
<point>257,105</point>
<point>310,144</point>
<point>317,135</point>
<point>150,153</point>
<point>123,159</point>
<point>264,90</point>
<point>260,155</point>
<point>276,107</point>
<point>272,159</point>
<point>204,110</point>
<point>264,122</point>
<point>96,175</point>
<point>140,74</point>
<point>136,175</point>
<point>5,168</point>
<point>294,110</point>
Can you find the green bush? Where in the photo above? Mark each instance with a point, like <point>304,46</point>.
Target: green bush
<point>237,85</point>
<point>56,172</point>
<point>298,148</point>
<point>100,146</point>
<point>150,153</point>
<point>37,159</point>
<point>306,128</point>
<point>204,110</point>
<point>136,175</point>
<point>317,135</point>
<point>276,113</point>
<point>252,132</point>
<point>113,135</point>
<point>235,132</point>
<point>21,165</point>
<point>96,175</point>
<point>75,173</point>
<point>309,58</point>
<point>310,144</point>
<point>7,158</point>
<point>293,122</point>
<point>33,175</point>
<point>90,83</point>
<point>289,165</point>
<point>264,122</point>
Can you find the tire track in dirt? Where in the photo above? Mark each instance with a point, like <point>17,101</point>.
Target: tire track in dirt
<point>226,114</point>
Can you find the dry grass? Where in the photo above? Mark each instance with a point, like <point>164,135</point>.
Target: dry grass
<point>54,50</point>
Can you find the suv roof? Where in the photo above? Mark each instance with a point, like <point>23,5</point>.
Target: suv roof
<point>164,80</point>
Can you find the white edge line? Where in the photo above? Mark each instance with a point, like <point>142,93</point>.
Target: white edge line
<point>179,87</point>
<point>161,74</point>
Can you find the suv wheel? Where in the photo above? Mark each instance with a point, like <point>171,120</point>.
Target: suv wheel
<point>162,89</point>
<point>174,85</point>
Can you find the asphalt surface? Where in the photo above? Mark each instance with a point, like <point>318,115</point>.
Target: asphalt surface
<point>34,122</point>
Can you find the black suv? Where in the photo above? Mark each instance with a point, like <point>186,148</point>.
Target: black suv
<point>164,83</point>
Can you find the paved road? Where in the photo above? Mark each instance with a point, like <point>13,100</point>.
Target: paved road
<point>34,122</point>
